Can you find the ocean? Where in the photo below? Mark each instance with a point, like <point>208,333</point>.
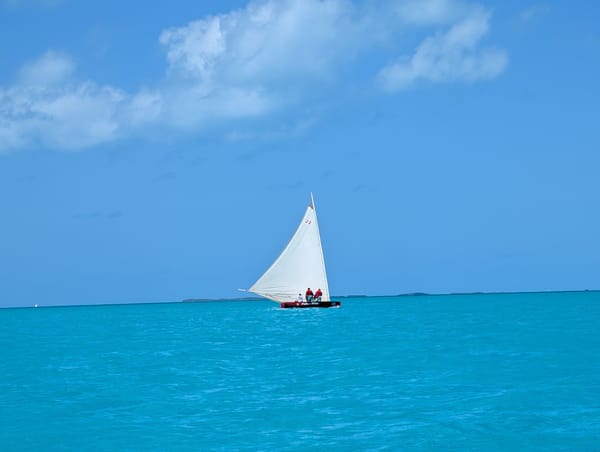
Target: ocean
<point>452,372</point>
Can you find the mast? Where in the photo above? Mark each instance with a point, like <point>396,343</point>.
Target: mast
<point>325,289</point>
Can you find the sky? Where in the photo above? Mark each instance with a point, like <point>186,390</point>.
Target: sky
<point>163,152</point>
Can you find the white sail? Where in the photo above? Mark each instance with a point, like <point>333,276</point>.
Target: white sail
<point>299,266</point>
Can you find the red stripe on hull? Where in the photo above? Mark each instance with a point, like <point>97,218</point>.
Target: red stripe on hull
<point>320,304</point>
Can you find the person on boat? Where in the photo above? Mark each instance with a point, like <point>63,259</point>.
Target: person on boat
<point>318,295</point>
<point>309,295</point>
<point>300,299</point>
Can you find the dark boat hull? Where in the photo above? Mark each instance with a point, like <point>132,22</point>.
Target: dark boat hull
<point>302,304</point>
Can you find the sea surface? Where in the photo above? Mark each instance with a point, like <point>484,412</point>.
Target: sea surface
<point>456,372</point>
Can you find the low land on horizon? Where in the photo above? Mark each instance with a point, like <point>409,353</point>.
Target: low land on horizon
<point>342,297</point>
<point>410,294</point>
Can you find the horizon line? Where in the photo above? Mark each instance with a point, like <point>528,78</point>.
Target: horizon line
<point>239,299</point>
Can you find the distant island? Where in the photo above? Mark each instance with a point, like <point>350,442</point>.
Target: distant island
<point>410,294</point>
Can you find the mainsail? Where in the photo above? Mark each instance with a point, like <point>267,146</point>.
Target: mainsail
<point>299,266</point>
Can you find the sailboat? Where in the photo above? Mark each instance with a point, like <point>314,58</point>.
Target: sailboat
<point>299,266</point>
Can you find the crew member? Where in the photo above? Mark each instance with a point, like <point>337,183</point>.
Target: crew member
<point>309,295</point>
<point>318,295</point>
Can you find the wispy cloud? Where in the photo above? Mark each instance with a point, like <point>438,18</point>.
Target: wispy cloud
<point>449,56</point>
<point>270,56</point>
<point>533,13</point>
<point>431,12</point>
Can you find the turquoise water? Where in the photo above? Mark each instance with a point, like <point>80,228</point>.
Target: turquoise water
<point>476,372</point>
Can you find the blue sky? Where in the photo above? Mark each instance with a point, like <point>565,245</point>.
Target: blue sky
<point>166,152</point>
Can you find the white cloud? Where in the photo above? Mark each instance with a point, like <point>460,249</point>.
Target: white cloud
<point>264,42</point>
<point>449,56</point>
<point>271,56</point>
<point>255,60</point>
<point>46,107</point>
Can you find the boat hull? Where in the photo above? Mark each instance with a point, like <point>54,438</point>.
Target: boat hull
<point>303,304</point>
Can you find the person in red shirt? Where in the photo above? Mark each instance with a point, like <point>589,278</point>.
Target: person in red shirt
<point>318,295</point>
<point>309,295</point>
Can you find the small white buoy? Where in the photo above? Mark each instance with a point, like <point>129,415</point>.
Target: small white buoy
<point>35,305</point>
